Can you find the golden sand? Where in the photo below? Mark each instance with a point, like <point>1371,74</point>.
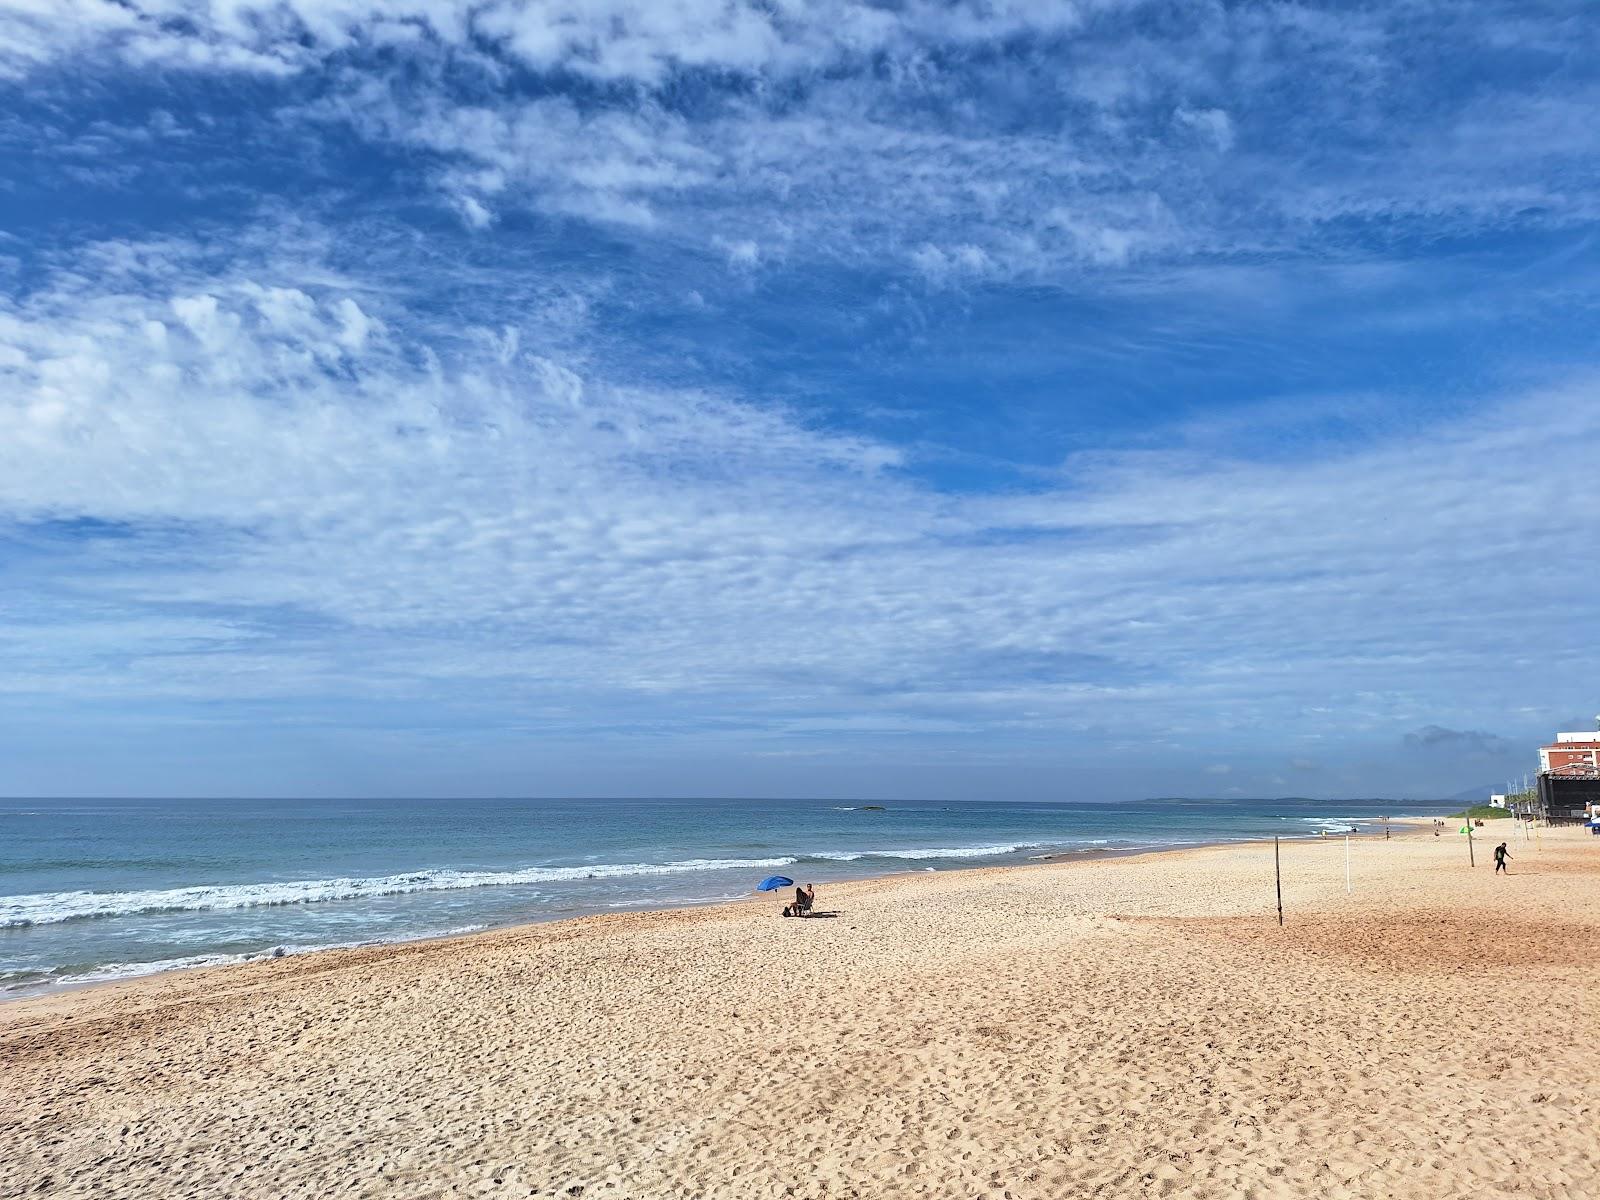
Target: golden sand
<point>1120,1027</point>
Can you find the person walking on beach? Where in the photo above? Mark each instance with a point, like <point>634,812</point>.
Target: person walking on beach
<point>1500,856</point>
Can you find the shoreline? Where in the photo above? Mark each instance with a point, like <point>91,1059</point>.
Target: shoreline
<point>1063,858</point>
<point>1125,1025</point>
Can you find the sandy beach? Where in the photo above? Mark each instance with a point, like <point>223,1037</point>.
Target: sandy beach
<point>1112,1027</point>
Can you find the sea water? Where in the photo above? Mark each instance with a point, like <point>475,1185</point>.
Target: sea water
<point>94,890</point>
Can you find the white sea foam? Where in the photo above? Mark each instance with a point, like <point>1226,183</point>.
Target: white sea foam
<point>923,853</point>
<point>49,908</point>
<point>34,981</point>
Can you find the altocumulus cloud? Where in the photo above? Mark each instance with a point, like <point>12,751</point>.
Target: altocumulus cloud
<point>359,401</point>
<point>951,137</point>
<point>272,475</point>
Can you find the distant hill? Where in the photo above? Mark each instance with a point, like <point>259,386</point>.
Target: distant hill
<point>1478,795</point>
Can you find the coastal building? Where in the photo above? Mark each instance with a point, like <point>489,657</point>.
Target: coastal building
<point>1571,750</point>
<point>1569,777</point>
<point>1497,800</point>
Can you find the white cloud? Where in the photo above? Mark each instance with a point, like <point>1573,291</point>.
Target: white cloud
<point>355,326</point>
<point>641,41</point>
<point>940,265</point>
<point>473,211</point>
<point>294,496</point>
<point>610,167</point>
<point>741,253</point>
<point>867,133</point>
<point>1211,123</point>
<point>237,472</point>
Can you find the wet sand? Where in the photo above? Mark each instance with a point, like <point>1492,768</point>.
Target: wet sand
<point>1117,1026</point>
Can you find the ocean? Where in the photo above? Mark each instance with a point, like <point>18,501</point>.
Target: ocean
<point>95,890</point>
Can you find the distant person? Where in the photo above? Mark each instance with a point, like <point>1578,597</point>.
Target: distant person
<point>1500,856</point>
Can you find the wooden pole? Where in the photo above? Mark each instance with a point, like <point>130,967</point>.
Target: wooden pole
<point>1277,871</point>
<point>1347,864</point>
<point>1472,860</point>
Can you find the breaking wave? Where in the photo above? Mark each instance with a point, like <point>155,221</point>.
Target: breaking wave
<point>1331,824</point>
<point>918,854</point>
<point>49,908</point>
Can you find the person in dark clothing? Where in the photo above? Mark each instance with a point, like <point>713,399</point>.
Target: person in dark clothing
<point>1500,856</point>
<point>804,898</point>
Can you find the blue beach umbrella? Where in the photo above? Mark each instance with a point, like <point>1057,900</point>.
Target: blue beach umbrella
<point>773,882</point>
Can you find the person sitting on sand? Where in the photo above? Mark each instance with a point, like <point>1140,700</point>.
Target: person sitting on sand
<point>804,898</point>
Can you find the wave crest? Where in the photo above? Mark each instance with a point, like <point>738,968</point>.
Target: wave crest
<point>919,853</point>
<point>50,908</point>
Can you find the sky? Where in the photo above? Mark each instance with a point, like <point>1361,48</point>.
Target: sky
<point>964,399</point>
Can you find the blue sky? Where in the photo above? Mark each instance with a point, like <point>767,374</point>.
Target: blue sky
<point>956,399</point>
